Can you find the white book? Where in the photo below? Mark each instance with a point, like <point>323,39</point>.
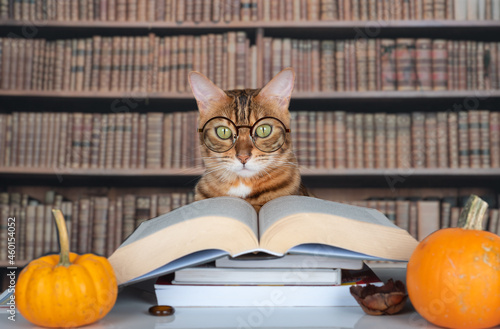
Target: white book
<point>253,296</point>
<point>264,316</point>
<point>495,6</point>
<point>253,276</point>
<point>472,10</point>
<point>460,10</point>
<point>481,10</point>
<point>290,261</point>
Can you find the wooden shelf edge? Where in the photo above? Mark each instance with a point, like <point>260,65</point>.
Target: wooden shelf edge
<point>307,172</point>
<point>257,24</point>
<point>300,95</point>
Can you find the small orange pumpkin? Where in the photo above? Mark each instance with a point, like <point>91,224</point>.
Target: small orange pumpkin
<point>453,276</point>
<point>66,290</point>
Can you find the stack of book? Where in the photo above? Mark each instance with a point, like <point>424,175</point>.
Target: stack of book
<point>259,280</point>
<point>211,229</point>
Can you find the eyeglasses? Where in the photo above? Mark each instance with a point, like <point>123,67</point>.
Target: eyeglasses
<point>220,134</point>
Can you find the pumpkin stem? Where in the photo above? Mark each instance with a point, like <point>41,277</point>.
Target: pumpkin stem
<point>471,217</point>
<point>63,238</point>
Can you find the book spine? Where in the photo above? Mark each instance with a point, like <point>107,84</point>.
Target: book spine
<point>418,139</point>
<point>391,141</point>
<point>463,139</point>
<point>474,139</point>
<point>484,132</point>
<point>340,65</point>
<point>350,143</point>
<point>388,64</point>
<point>358,140</point>
<point>423,56</point>
<point>405,64</point>
<point>495,139</point>
<point>431,140</point>
<point>439,64</point>
<point>368,143</point>
<point>380,140</point>
<point>453,149</point>
<point>404,151</point>
<point>442,140</point>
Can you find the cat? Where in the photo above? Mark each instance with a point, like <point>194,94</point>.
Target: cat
<point>257,170</point>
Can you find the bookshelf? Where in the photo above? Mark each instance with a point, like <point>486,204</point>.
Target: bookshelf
<point>332,183</point>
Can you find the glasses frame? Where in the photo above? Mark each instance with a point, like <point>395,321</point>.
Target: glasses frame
<point>235,137</point>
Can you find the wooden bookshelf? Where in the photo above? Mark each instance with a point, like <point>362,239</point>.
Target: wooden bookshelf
<point>306,172</point>
<point>417,182</point>
<point>301,95</point>
<point>289,25</point>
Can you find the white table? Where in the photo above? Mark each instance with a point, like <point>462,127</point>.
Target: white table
<point>131,311</point>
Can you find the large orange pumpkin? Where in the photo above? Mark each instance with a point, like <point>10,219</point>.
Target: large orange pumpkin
<point>66,290</point>
<point>453,276</point>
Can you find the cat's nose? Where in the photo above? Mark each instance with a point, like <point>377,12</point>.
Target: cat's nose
<point>243,158</point>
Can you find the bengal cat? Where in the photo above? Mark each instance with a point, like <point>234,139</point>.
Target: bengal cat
<point>245,140</point>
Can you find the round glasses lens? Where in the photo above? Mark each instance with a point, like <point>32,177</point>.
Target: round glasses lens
<point>268,134</point>
<point>218,134</point>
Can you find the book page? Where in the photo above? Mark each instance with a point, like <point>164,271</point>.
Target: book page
<point>294,204</point>
<point>291,221</point>
<point>223,206</point>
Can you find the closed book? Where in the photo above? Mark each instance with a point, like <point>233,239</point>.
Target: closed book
<point>494,220</point>
<point>358,141</point>
<point>350,142</point>
<point>405,64</point>
<point>439,64</point>
<point>453,150</point>
<point>339,65</point>
<point>380,140</point>
<point>289,261</point>
<point>442,140</point>
<point>154,140</point>
<point>340,141</point>
<point>207,275</point>
<point>391,140</point>
<point>418,139</point>
<point>463,139</point>
<point>428,217</point>
<point>474,139</point>
<point>403,146</point>
<point>388,64</point>
<point>484,135</point>
<point>431,140</point>
<point>495,139</point>
<point>328,10</point>
<point>253,295</point>
<point>423,58</point>
<point>368,140</point>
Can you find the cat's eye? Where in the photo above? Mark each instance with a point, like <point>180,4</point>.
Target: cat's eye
<point>263,131</point>
<point>224,132</point>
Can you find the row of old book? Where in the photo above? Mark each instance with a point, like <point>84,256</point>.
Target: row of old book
<point>149,63</point>
<point>99,224</point>
<point>196,11</point>
<point>334,139</point>
<point>96,224</point>
<point>161,64</point>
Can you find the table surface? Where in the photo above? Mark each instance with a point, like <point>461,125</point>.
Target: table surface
<point>131,311</point>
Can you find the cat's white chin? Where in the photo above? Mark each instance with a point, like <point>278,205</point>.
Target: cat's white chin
<point>245,172</point>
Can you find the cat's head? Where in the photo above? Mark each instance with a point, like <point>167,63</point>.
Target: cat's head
<point>262,141</point>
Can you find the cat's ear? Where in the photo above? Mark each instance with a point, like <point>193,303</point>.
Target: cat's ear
<point>279,88</point>
<point>204,90</point>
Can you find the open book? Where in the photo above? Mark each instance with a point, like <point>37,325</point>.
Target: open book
<point>208,229</point>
